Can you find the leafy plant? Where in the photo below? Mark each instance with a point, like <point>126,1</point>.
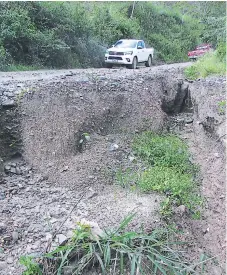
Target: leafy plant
<point>222,107</point>
<point>32,268</point>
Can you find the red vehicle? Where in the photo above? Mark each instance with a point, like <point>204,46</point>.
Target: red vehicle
<point>199,51</point>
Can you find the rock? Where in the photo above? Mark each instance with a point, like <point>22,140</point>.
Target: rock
<point>10,260</point>
<point>88,138</point>
<point>3,228</point>
<point>217,270</point>
<point>36,245</point>
<point>2,195</point>
<point>15,236</point>
<point>68,270</point>
<point>69,74</point>
<point>7,168</point>
<point>131,158</point>
<point>206,230</point>
<point>92,195</point>
<point>9,103</point>
<point>181,209</point>
<point>45,177</point>
<point>113,147</point>
<point>13,170</point>
<point>3,266</point>
<point>188,120</point>
<point>216,155</point>
<point>21,186</point>
<point>18,171</point>
<point>48,236</point>
<point>66,168</point>
<point>8,94</point>
<point>60,238</point>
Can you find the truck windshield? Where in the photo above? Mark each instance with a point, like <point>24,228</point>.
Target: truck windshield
<point>125,44</point>
<point>202,47</point>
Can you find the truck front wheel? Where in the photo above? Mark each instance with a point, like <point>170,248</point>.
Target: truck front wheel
<point>148,62</point>
<point>134,63</point>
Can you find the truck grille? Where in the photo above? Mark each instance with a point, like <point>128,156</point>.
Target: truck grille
<point>116,53</point>
<point>115,57</point>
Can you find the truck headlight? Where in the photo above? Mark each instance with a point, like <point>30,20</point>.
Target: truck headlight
<point>128,53</point>
<point>107,52</point>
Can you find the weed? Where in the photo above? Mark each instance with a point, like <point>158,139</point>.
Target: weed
<point>21,94</point>
<point>127,178</point>
<point>116,252</point>
<point>32,268</point>
<point>222,107</point>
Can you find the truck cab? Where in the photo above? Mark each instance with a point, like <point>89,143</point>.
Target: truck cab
<point>129,52</point>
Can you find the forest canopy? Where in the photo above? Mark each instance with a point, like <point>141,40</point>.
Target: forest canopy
<point>76,34</point>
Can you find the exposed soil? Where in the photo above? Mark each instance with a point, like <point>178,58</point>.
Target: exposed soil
<point>50,168</point>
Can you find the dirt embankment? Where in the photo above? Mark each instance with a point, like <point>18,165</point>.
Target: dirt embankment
<point>46,118</point>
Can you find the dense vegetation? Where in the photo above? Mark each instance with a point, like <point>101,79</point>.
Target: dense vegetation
<point>76,34</point>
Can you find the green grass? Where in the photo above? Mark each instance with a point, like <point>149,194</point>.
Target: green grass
<point>115,252</point>
<point>209,64</point>
<point>168,171</point>
<point>163,150</point>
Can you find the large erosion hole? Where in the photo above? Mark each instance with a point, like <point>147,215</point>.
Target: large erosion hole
<point>53,117</point>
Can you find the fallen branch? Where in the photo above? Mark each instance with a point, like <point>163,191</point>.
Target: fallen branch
<point>220,137</point>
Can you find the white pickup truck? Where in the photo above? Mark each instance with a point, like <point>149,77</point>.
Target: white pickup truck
<point>129,52</point>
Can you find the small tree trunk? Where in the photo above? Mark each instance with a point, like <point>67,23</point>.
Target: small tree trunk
<point>133,7</point>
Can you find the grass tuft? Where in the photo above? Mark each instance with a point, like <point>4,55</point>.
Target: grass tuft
<point>115,252</point>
